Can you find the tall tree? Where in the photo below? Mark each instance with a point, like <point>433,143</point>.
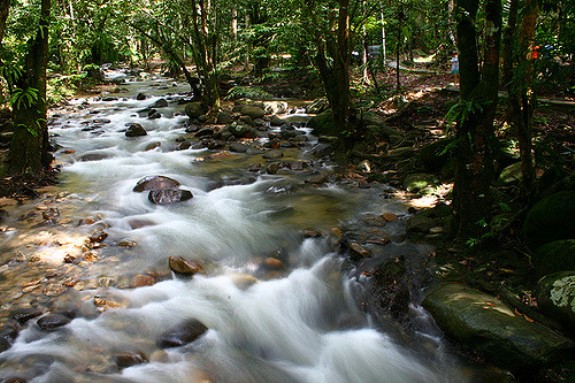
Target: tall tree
<point>29,148</point>
<point>476,111</point>
<point>4,10</point>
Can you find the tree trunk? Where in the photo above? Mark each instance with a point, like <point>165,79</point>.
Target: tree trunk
<point>478,91</point>
<point>335,77</point>
<point>4,10</point>
<point>522,98</point>
<point>29,148</point>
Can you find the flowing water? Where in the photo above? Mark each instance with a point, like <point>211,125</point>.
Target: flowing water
<point>296,322</point>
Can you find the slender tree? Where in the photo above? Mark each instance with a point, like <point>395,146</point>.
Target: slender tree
<point>476,111</point>
<point>29,148</point>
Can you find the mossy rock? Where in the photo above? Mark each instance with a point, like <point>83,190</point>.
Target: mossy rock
<point>253,111</point>
<point>433,156</point>
<point>416,182</point>
<point>492,328</point>
<point>510,175</point>
<point>194,110</point>
<point>551,219</point>
<point>554,257</point>
<point>556,298</point>
<point>323,124</point>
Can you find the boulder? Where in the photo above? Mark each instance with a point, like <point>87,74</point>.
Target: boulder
<point>241,131</point>
<point>23,315</point>
<point>183,334</point>
<point>252,111</point>
<point>194,110</point>
<point>276,121</point>
<point>93,157</point>
<point>161,103</point>
<point>238,148</point>
<point>136,130</point>
<point>556,298</point>
<point>128,359</point>
<point>224,118</point>
<point>551,219</point>
<point>555,256</point>
<point>433,156</point>
<point>491,328</point>
<point>169,196</point>
<point>141,96</point>
<point>276,107</point>
<point>155,183</point>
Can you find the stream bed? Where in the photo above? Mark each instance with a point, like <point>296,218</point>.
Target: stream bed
<point>88,294</point>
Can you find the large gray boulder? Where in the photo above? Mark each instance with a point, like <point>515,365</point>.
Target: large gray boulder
<point>492,328</point>
<point>556,298</point>
<point>194,110</point>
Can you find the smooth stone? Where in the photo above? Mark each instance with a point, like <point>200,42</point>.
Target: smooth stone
<point>155,183</point>
<point>169,196</point>
<point>136,130</point>
<point>181,265</point>
<point>183,334</point>
<point>128,359</point>
<point>52,322</point>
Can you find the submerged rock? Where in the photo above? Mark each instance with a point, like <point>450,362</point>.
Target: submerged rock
<point>128,359</point>
<point>490,327</point>
<point>183,334</point>
<point>52,322</point>
<point>169,196</point>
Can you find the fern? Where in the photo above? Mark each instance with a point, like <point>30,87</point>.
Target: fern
<point>26,97</point>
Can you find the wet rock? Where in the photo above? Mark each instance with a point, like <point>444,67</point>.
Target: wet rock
<point>252,111</point>
<point>181,265</point>
<point>272,263</point>
<point>128,242</point>
<point>155,183</point>
<point>141,96</point>
<point>247,120</point>
<point>389,217</point>
<point>23,315</point>
<point>183,334</point>
<point>101,121</point>
<point>205,132</point>
<point>169,196</point>
<point>93,157</point>
<point>554,257</point>
<point>556,298</point>
<point>161,103</point>
<point>14,379</point>
<point>243,281</point>
<point>420,224</point>
<point>53,322</point>
<point>128,359</point>
<point>551,219</point>
<point>273,155</point>
<point>105,303</point>
<point>193,128</point>
<point>98,236</point>
<point>154,115</point>
<point>359,250</point>
<point>152,146</point>
<point>184,146</point>
<point>4,344</point>
<point>142,280</point>
<point>239,148</point>
<point>490,327</point>
<point>136,130</point>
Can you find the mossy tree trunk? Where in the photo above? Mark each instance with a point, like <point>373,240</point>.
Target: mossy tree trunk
<point>333,59</point>
<point>29,147</point>
<point>475,134</point>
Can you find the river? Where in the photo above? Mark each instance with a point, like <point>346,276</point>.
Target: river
<point>275,301</point>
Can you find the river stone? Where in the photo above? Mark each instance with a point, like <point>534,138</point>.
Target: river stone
<point>194,110</point>
<point>161,103</point>
<point>93,157</point>
<point>128,359</point>
<point>4,344</point>
<point>252,111</point>
<point>416,182</point>
<point>141,280</point>
<point>169,196</point>
<point>152,146</point>
<point>323,124</point>
<point>183,334</point>
<point>555,256</point>
<point>238,148</point>
<point>551,219</point>
<point>205,132</point>
<point>181,265</point>
<point>52,322</point>
<point>23,315</point>
<point>241,131</point>
<point>141,96</point>
<point>155,183</point>
<point>224,118</point>
<point>98,236</point>
<point>136,130</point>
<point>273,155</point>
<point>490,327</point>
<point>556,298</point>
<point>420,224</point>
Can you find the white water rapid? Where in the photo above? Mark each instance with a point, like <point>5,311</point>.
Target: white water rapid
<point>295,324</point>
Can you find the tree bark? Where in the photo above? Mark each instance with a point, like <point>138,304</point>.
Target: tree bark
<point>4,11</point>
<point>474,134</point>
<point>29,147</point>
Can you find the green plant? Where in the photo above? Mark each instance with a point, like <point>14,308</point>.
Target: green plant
<point>23,97</point>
